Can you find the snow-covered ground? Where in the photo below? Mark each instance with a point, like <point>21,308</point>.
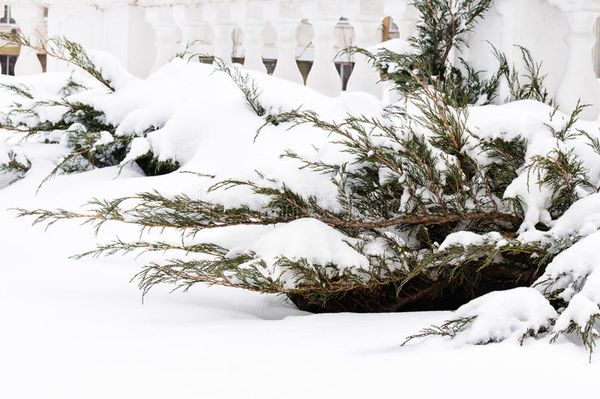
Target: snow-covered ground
<point>77,329</point>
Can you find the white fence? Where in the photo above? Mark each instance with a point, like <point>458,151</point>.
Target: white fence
<point>145,34</point>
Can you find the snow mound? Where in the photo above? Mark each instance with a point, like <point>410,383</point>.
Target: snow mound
<point>571,271</point>
<point>110,68</point>
<point>582,218</point>
<point>502,315</point>
<point>312,240</point>
<point>466,238</point>
<point>574,278</point>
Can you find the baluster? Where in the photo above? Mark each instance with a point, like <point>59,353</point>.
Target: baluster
<point>366,23</point>
<point>580,81</point>
<point>323,74</point>
<point>222,27</point>
<point>28,17</point>
<point>166,32</point>
<point>407,19</point>
<point>190,21</point>
<point>253,36</point>
<point>506,9</point>
<point>57,24</point>
<point>285,23</point>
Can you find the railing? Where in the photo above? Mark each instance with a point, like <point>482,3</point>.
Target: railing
<point>299,35</point>
<point>290,37</point>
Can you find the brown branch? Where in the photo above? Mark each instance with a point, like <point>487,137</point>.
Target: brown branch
<point>425,220</point>
<point>335,222</point>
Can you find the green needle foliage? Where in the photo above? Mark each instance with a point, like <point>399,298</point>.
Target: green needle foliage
<point>441,31</point>
<point>433,185</point>
<point>246,85</point>
<point>561,170</point>
<point>62,49</point>
<point>564,174</point>
<point>587,335</point>
<point>449,328</point>
<point>16,167</point>
<point>527,86</point>
<point>90,140</point>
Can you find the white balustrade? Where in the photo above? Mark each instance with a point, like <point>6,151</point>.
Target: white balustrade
<point>157,29</point>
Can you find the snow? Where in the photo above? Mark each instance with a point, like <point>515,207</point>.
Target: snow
<point>312,240</point>
<point>139,120</point>
<point>535,200</point>
<point>138,148</point>
<point>533,121</point>
<point>110,68</point>
<point>580,310</point>
<point>575,277</point>
<point>578,262</point>
<point>466,238</point>
<point>105,139</point>
<point>503,315</point>
<point>78,328</point>
<point>582,218</point>
<point>170,115</point>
